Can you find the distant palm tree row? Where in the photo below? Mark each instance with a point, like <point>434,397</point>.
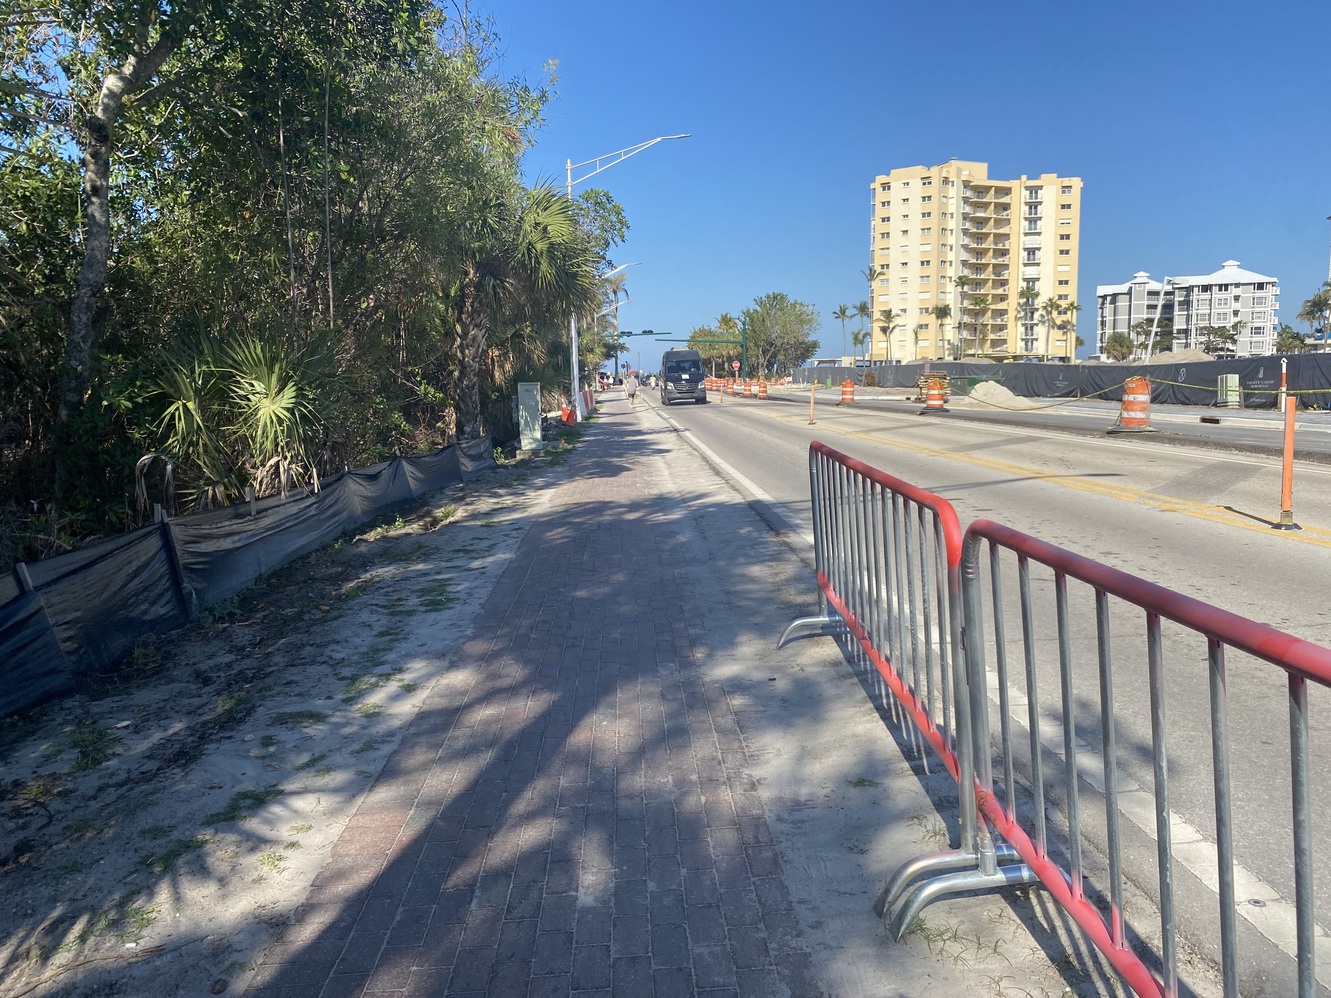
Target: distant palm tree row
<point>1054,314</point>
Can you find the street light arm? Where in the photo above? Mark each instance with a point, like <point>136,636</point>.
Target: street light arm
<point>618,157</point>
<point>614,157</point>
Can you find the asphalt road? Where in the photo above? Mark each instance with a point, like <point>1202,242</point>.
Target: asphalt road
<point>1189,507</point>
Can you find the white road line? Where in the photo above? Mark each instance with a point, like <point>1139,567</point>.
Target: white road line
<point>1275,919</point>
<point>749,486</point>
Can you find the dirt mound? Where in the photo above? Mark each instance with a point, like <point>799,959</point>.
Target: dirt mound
<point>1180,357</point>
<point>994,394</point>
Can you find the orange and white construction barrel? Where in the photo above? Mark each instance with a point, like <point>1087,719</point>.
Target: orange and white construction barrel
<point>935,397</point>
<point>1135,414</point>
<point>847,392</point>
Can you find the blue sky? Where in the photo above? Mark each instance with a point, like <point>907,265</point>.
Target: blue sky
<point>1201,132</point>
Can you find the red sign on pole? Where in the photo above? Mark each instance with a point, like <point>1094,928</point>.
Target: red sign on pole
<point>735,364</point>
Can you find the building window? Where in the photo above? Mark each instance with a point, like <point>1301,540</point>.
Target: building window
<point>905,183</point>
<point>1065,190</point>
<point>926,263</point>
<point>1033,210</point>
<point>905,263</point>
<point>883,235</point>
<point>904,218</point>
<point>1222,287</point>
<point>1063,297</point>
<point>1065,221</point>
<point>927,182</point>
<point>901,296</point>
<point>923,327</point>
<point>884,218</point>
<point>1259,302</point>
<point>925,278</point>
<point>1064,284</point>
<point>1032,225</point>
<point>1032,256</point>
<point>1033,194</point>
<point>884,187</point>
<point>925,295</point>
<point>927,197</point>
<point>905,200</point>
<point>1065,237</point>
<point>882,281</point>
<point>904,280</point>
<point>1064,252</point>
<point>926,214</point>
<point>1065,207</point>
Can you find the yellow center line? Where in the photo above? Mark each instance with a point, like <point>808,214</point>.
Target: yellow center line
<point>1168,504</point>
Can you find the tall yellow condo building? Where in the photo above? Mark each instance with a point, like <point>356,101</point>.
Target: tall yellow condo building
<point>967,266</point>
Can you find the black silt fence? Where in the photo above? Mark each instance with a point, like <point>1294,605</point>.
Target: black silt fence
<point>1172,384</point>
<point>76,615</point>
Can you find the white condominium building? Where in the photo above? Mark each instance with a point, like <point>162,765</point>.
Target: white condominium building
<point>1234,311</point>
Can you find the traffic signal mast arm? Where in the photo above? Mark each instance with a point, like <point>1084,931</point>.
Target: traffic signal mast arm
<point>742,342</point>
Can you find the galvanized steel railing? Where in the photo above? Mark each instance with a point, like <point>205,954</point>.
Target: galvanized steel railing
<point>895,573</point>
<point>1302,662</point>
<point>887,556</point>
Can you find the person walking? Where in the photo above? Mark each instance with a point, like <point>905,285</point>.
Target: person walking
<point>631,386</point>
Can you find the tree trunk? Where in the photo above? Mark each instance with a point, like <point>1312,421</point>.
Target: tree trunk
<point>472,329</point>
<point>139,68</point>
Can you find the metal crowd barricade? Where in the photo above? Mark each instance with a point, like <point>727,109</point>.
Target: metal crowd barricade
<point>1061,871</point>
<point>887,556</point>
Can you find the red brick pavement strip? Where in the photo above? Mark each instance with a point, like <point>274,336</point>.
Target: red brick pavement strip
<point>580,820</point>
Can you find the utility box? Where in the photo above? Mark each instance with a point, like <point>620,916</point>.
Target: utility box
<point>1229,395</point>
<point>529,415</point>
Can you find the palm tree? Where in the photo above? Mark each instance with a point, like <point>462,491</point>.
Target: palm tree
<point>1289,340</point>
<point>1048,314</point>
<point>1314,312</point>
<point>522,260</point>
<point>941,314</point>
<point>843,314</point>
<point>1069,325</point>
<point>859,339</point>
<point>887,321</point>
<point>962,282</point>
<point>614,287</point>
<point>1119,346</point>
<point>1028,296</point>
<point>862,311</point>
<point>728,326</point>
<point>870,274</point>
<point>980,303</point>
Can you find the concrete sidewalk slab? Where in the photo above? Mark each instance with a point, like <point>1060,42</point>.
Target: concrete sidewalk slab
<point>619,787</point>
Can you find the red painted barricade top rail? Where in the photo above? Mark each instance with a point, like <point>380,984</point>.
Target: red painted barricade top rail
<point>1294,655</point>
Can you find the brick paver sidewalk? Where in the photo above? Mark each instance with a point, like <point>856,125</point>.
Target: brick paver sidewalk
<point>571,812</point>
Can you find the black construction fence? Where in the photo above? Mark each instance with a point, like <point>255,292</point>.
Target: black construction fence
<point>67,618</point>
<point>1193,383</point>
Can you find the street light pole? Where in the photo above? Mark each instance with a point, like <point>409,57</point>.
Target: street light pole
<point>599,163</point>
<point>1160,307</point>
<point>1328,268</point>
